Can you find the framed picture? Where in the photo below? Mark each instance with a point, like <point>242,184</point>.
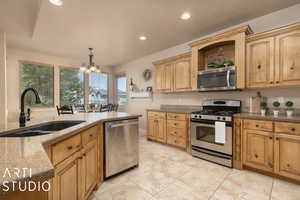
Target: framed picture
<point>149,89</point>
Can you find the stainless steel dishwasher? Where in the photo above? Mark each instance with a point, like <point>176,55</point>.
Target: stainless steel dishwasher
<point>121,146</point>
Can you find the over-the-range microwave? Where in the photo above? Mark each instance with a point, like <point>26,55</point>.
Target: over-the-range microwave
<point>217,79</point>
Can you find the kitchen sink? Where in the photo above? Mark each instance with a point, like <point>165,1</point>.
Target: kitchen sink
<point>43,129</point>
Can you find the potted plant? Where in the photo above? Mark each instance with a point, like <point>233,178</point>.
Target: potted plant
<point>263,108</point>
<point>276,106</point>
<point>289,105</point>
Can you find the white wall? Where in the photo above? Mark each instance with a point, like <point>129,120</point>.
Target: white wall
<point>3,85</point>
<point>135,68</point>
<point>13,95</point>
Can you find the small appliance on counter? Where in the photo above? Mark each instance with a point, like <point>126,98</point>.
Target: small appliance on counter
<point>212,131</point>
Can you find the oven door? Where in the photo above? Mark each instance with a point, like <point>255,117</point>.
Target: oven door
<point>203,136</point>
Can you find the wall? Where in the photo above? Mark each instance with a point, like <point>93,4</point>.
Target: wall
<point>3,85</point>
<point>135,68</point>
<point>13,96</point>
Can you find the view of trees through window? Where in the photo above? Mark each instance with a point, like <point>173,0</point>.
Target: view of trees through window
<point>40,78</point>
<point>98,88</point>
<point>121,90</point>
<point>71,86</point>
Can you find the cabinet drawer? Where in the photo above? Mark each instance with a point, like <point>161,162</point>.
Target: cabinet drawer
<point>178,132</point>
<point>258,125</point>
<point>161,115</point>
<point>176,141</point>
<point>176,124</point>
<point>283,127</point>
<point>176,116</point>
<point>64,149</point>
<point>89,135</point>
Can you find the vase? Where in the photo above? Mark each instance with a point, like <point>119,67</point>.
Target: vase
<point>289,113</point>
<point>276,113</point>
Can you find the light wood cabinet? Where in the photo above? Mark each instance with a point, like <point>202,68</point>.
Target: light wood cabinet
<point>237,147</point>
<point>287,156</point>
<point>173,74</point>
<point>260,63</point>
<point>273,58</point>
<point>258,149</point>
<point>168,128</point>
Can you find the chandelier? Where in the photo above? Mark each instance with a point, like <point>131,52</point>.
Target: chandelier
<point>91,67</point>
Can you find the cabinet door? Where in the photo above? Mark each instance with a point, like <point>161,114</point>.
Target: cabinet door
<point>161,130</point>
<point>168,82</point>
<point>66,181</point>
<point>89,167</point>
<point>182,75</point>
<point>260,63</point>
<point>151,129</point>
<point>160,77</point>
<point>287,156</point>
<point>258,149</point>
<point>288,60</point>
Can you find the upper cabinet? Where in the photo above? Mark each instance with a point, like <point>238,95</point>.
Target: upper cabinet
<point>173,74</point>
<point>273,58</point>
<point>226,49</point>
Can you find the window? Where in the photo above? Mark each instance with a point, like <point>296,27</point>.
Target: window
<point>121,90</point>
<point>98,88</point>
<point>71,87</point>
<point>39,77</point>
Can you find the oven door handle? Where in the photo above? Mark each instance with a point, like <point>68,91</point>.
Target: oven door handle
<point>203,125</point>
<point>228,78</point>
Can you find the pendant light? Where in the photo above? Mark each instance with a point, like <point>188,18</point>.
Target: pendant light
<point>91,67</point>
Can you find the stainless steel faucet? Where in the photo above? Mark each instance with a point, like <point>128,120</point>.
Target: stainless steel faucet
<point>22,118</point>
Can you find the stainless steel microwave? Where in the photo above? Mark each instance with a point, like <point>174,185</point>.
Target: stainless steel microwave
<point>218,79</point>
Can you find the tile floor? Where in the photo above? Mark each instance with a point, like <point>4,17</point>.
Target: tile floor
<point>165,173</point>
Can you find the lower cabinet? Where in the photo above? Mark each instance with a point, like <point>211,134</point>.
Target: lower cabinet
<point>276,151</point>
<point>258,149</point>
<point>287,155</point>
<point>169,128</point>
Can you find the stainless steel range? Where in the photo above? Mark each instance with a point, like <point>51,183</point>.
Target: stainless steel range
<point>211,131</point>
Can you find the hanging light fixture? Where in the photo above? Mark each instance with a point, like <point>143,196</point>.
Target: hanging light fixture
<point>91,67</point>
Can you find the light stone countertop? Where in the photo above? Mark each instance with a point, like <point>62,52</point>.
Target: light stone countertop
<point>268,117</point>
<point>29,152</point>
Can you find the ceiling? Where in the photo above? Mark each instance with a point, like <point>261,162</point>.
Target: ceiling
<point>113,27</point>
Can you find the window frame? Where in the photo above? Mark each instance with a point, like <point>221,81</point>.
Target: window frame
<point>88,86</point>
<point>120,75</point>
<point>53,82</point>
<point>84,80</point>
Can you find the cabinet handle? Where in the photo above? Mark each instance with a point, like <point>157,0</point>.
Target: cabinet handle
<point>69,147</point>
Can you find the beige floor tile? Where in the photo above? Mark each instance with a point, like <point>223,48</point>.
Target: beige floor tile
<point>152,181</point>
<point>285,191</point>
<point>124,191</point>
<point>178,191</point>
<point>245,185</point>
<point>172,168</point>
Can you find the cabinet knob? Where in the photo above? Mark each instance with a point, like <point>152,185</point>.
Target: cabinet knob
<point>288,165</point>
<point>256,156</point>
<point>292,129</point>
<point>69,147</point>
<point>91,135</point>
<point>277,138</point>
<point>258,67</point>
<point>277,81</point>
<point>84,154</point>
<point>257,125</point>
<point>270,138</point>
<point>271,82</point>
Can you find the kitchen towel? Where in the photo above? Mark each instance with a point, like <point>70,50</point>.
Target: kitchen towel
<point>220,132</point>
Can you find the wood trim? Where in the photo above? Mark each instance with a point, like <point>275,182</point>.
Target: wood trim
<point>244,29</point>
<point>172,59</point>
<point>36,63</point>
<point>274,32</point>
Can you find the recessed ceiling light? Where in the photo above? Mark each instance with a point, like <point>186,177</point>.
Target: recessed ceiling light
<point>185,16</point>
<point>143,38</point>
<point>56,2</point>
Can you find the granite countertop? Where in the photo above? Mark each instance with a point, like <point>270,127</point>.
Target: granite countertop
<point>29,152</point>
<point>173,110</point>
<point>269,117</point>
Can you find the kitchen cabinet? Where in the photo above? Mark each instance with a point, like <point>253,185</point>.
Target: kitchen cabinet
<point>78,169</point>
<point>273,58</point>
<point>237,141</point>
<point>268,146</point>
<point>287,156</point>
<point>258,149</point>
<point>169,128</point>
<point>173,74</point>
<point>260,63</point>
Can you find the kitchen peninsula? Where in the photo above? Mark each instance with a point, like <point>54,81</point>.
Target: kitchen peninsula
<point>66,155</point>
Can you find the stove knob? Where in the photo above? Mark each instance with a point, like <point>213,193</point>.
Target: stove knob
<point>199,116</point>
<point>218,118</point>
<point>224,118</point>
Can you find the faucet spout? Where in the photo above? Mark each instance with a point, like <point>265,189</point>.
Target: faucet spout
<point>22,118</point>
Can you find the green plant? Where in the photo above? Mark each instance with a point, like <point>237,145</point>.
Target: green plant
<point>276,104</point>
<point>289,104</point>
<point>263,105</point>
